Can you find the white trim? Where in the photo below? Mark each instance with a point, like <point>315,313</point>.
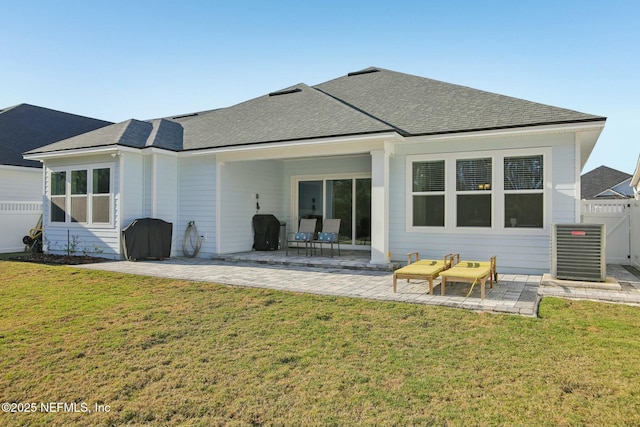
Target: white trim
<point>89,151</point>
<point>519,131</point>
<point>296,179</point>
<point>497,192</point>
<point>89,168</point>
<point>287,146</point>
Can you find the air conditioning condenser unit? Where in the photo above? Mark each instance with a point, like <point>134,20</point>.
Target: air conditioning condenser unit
<point>578,252</point>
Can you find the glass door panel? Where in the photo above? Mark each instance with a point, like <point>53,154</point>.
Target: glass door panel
<point>363,211</point>
<point>340,206</point>
<point>310,201</point>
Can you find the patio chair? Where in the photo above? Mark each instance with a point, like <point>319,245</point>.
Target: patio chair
<point>330,234</point>
<point>423,269</point>
<point>305,232</point>
<point>471,272</point>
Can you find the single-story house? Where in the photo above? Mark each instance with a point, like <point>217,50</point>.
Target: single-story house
<point>407,163</point>
<point>25,127</point>
<point>606,183</point>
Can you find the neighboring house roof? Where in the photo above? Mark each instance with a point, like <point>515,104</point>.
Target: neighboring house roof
<point>605,183</point>
<point>25,127</point>
<point>370,101</point>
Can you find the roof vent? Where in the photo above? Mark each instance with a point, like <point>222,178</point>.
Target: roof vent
<point>365,71</point>
<point>184,116</point>
<point>285,92</point>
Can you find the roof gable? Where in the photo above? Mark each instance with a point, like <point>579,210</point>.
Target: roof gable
<point>25,127</point>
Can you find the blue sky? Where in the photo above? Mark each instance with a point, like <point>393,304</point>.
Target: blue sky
<point>117,60</point>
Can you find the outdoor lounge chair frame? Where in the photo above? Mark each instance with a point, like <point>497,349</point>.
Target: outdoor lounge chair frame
<point>425,269</point>
<point>306,230</point>
<point>471,272</point>
<point>331,229</point>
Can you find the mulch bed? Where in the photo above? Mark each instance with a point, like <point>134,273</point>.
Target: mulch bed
<point>42,258</point>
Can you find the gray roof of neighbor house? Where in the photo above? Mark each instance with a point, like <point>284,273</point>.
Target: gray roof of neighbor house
<point>24,127</point>
<point>602,179</point>
<point>370,101</point>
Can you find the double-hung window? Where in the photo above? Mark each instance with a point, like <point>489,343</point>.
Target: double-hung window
<point>428,192</point>
<point>524,191</point>
<point>473,192</point>
<point>81,196</point>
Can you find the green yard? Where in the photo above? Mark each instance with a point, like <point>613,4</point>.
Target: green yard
<point>112,349</point>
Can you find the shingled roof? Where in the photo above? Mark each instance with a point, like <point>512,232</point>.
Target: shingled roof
<point>160,133</point>
<point>421,106</point>
<point>598,182</point>
<point>24,127</point>
<point>369,101</point>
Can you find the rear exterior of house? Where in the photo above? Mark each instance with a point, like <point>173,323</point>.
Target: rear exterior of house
<point>407,164</point>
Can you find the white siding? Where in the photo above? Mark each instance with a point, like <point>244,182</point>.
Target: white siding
<point>518,250</point>
<point>79,239</point>
<point>20,184</point>
<point>240,182</point>
<point>197,202</point>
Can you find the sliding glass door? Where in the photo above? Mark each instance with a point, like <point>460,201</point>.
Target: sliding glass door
<point>347,199</point>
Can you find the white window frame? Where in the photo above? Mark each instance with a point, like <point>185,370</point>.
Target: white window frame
<point>89,168</point>
<point>497,192</point>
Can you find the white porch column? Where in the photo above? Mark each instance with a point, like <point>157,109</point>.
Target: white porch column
<point>379,207</point>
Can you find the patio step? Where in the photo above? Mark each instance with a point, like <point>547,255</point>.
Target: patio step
<point>277,258</point>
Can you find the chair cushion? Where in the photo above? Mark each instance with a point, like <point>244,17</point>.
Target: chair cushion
<point>301,236</point>
<point>327,237</point>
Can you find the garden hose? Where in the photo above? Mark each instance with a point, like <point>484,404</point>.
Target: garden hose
<point>191,243</point>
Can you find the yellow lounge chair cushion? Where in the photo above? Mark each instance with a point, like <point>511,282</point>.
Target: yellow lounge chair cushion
<point>474,270</point>
<point>423,267</point>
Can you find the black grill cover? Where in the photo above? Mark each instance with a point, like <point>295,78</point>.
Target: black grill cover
<point>147,238</point>
<point>266,230</point>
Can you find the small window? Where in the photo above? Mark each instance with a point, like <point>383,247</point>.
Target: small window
<point>524,192</point>
<point>79,196</point>
<point>58,196</point>
<point>84,194</point>
<point>101,195</point>
<point>474,188</point>
<point>428,193</point>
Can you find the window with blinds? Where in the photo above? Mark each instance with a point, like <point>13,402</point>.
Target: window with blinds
<point>524,191</point>
<point>473,187</point>
<point>428,187</point>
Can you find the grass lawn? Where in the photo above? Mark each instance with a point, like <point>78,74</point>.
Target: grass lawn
<point>168,352</point>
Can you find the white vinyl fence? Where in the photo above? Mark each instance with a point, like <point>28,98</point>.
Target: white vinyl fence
<point>622,224</point>
<point>16,219</point>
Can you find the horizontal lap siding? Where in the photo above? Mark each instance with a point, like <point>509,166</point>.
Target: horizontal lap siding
<point>79,239</point>
<point>197,196</point>
<point>20,184</point>
<point>516,252</point>
<point>240,182</point>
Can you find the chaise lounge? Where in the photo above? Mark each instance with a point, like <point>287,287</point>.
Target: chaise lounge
<point>423,269</point>
<point>471,272</point>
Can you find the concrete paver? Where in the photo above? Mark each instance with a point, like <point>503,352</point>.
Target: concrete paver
<point>514,293</point>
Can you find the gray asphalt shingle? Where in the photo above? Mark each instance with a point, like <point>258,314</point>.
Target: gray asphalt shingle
<point>370,101</point>
<point>25,127</point>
